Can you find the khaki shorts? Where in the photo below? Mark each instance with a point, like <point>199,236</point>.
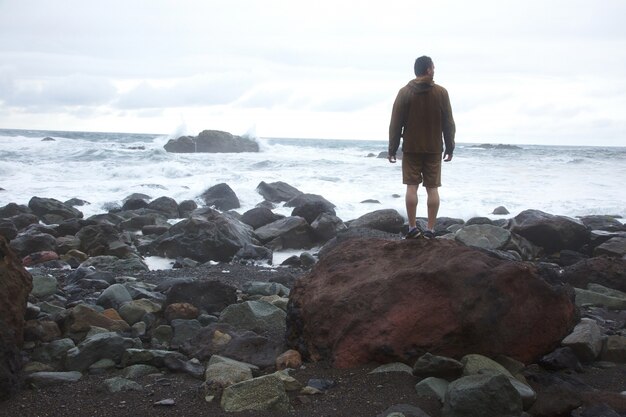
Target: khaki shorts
<point>421,166</point>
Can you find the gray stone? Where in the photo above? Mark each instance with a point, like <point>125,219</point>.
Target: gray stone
<point>42,379</point>
<point>162,336</point>
<point>138,371</point>
<point>614,349</point>
<point>292,232</point>
<point>277,191</point>
<point>403,410</point>
<point>102,365</point>
<point>393,367</point>
<point>99,346</point>
<point>490,237</point>
<point>600,289</point>
<point>49,308</point>
<point>257,316</point>
<point>615,247</point>
<point>432,387</point>
<point>44,285</point>
<point>133,311</point>
<point>222,374</point>
<point>154,357</point>
<point>54,351</point>
<point>290,383</point>
<point>114,297</point>
<point>183,330</point>
<point>265,393</point>
<point>139,329</point>
<point>482,395</point>
<point>265,288</point>
<point>585,340</point>
<point>115,264</point>
<point>527,394</point>
<point>437,366</point>
<point>387,220</point>
<point>593,298</point>
<point>474,364</point>
<point>119,384</point>
<point>483,236</point>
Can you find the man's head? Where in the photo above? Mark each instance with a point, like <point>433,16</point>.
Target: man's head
<point>422,65</point>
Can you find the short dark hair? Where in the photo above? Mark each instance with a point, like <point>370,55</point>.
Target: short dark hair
<point>422,64</point>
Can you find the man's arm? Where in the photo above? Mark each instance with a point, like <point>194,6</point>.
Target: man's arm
<point>398,116</point>
<point>449,127</point>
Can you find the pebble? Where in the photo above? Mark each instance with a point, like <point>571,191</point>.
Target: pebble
<point>166,402</point>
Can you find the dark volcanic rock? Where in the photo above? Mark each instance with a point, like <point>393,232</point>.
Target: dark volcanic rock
<point>609,272</point>
<point>23,220</point>
<point>8,230</point>
<point>52,211</point>
<point>210,296</point>
<point>212,141</point>
<point>551,232</point>
<point>165,205</point>
<point>289,233</point>
<point>311,210</point>
<point>599,222</point>
<point>216,237</point>
<point>259,216</point>
<point>33,241</point>
<point>13,209</point>
<point>326,226</point>
<point>186,207</point>
<point>221,196</point>
<point>387,220</point>
<point>241,345</point>
<point>384,301</point>
<point>103,239</point>
<point>277,191</point>
<point>135,203</point>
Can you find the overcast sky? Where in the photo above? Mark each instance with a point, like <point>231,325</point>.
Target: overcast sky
<point>545,72</point>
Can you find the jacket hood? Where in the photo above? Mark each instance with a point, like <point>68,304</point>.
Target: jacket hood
<point>421,84</point>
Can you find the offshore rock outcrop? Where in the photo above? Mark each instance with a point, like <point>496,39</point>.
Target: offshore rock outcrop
<point>212,141</point>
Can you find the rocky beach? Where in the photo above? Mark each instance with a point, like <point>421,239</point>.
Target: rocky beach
<point>520,316</point>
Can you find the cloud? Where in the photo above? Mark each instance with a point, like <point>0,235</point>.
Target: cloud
<point>199,90</point>
<point>57,92</point>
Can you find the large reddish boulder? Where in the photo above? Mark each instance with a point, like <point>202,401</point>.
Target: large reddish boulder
<point>15,285</point>
<point>380,300</point>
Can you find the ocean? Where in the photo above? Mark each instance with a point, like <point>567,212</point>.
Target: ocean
<point>104,168</point>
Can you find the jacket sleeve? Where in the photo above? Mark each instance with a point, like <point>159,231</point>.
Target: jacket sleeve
<point>396,126</point>
<point>449,128</point>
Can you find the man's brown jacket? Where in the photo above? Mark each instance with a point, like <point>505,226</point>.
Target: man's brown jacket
<point>421,114</point>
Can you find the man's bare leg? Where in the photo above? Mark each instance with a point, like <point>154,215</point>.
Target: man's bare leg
<point>411,204</point>
<point>433,206</point>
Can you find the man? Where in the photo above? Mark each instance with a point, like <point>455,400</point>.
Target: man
<point>421,115</point>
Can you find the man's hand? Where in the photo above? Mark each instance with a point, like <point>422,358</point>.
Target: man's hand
<point>392,159</point>
<point>447,157</point>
